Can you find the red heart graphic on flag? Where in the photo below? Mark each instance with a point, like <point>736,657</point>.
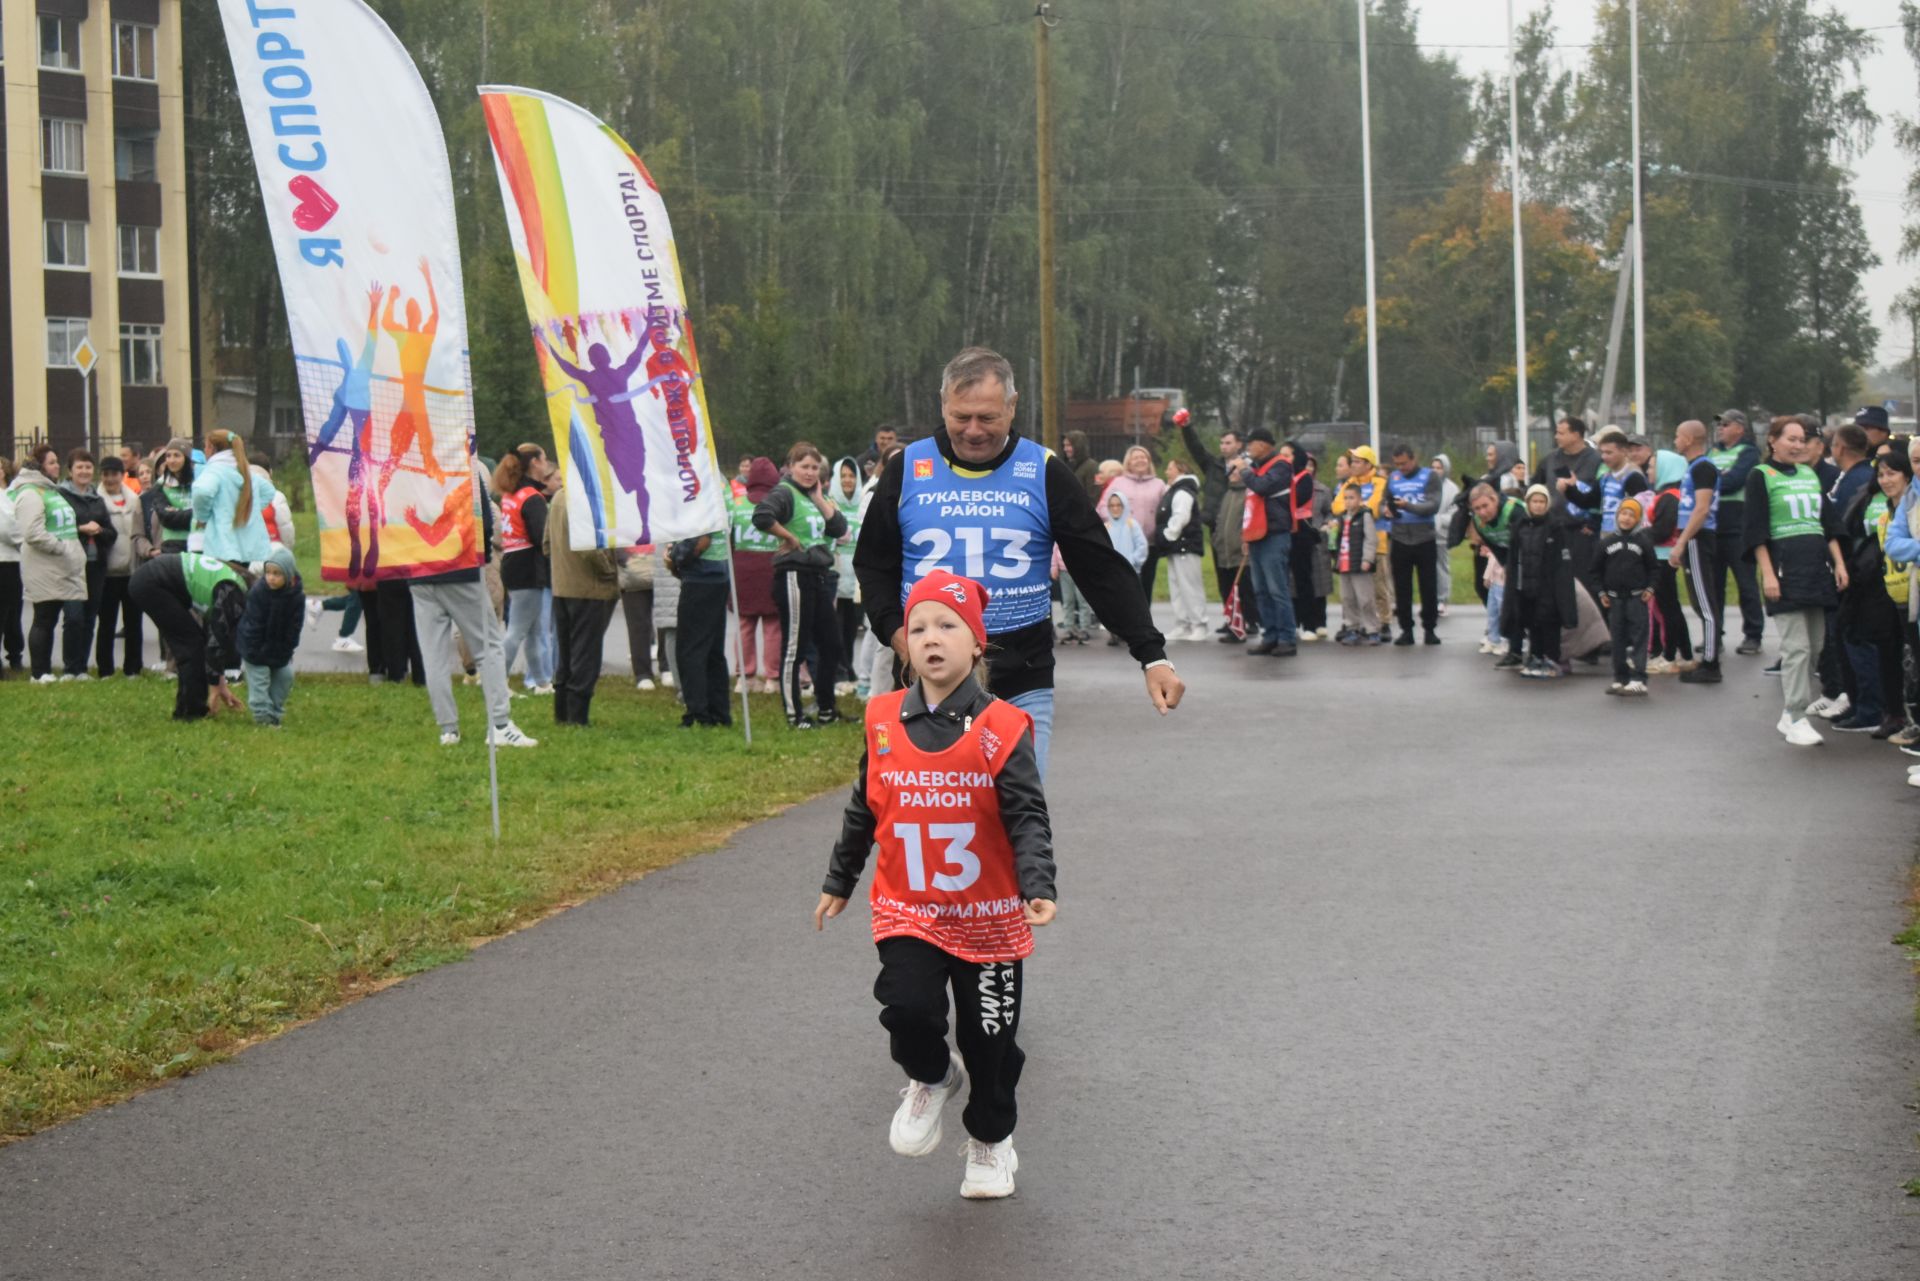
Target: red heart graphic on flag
<point>316,207</point>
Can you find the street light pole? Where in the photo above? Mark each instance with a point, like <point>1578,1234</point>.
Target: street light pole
<point>1366,184</point>
<point>1519,248</point>
<point>1639,222</point>
<point>1043,158</point>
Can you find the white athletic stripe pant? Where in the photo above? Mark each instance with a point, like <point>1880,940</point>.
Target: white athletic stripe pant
<point>1705,578</point>
<point>438,608</point>
<point>1189,598</point>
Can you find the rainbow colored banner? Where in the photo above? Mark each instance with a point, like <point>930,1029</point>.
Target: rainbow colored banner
<point>609,315</point>
<point>359,201</point>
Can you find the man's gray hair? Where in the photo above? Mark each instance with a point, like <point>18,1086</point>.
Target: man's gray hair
<point>974,365</point>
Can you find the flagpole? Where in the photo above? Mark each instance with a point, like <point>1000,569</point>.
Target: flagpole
<point>1366,159</point>
<point>1639,249</point>
<point>1519,248</point>
<point>733,631</point>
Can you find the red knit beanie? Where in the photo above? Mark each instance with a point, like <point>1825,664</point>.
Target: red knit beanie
<point>961,595</point>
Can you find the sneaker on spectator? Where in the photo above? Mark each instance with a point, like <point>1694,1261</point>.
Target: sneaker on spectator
<point>1830,709</point>
<point>346,645</point>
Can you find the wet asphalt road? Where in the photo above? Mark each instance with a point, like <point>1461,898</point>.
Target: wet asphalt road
<point>1370,965</point>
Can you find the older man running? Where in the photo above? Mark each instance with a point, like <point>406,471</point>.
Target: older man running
<point>979,500</point>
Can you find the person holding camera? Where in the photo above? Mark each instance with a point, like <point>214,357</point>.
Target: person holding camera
<point>700,627</point>
<point>799,513</point>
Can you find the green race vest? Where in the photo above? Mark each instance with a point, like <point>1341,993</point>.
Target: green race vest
<point>1876,508</point>
<point>809,523</point>
<point>61,522</point>
<point>1793,503</point>
<point>1500,532</point>
<point>1723,459</point>
<point>745,537</point>
<point>204,573</point>
<point>176,496</point>
<point>716,547</point>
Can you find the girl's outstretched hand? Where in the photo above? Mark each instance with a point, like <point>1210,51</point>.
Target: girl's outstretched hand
<point>829,906</point>
<point>1039,911</point>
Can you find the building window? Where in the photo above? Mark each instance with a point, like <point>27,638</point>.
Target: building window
<point>63,145</point>
<point>287,421</point>
<point>66,244</point>
<point>63,335</point>
<point>133,51</point>
<point>59,43</point>
<point>139,251</point>
<point>135,157</point>
<point>140,355</point>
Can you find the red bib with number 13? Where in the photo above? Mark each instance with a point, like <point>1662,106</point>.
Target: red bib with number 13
<point>945,871</point>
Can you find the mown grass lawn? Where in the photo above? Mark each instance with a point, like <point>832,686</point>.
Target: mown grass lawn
<point>168,891</point>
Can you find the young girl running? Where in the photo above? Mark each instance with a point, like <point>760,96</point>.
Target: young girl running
<point>950,791</point>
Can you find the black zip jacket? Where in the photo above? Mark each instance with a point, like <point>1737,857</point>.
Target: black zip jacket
<point>1625,563</point>
<point>88,506</point>
<point>1023,806</point>
<point>777,508</point>
<point>270,628</point>
<point>1020,660</point>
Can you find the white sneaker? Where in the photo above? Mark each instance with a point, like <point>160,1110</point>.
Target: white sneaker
<point>916,1122</point>
<point>64,677</point>
<point>1486,647</point>
<point>1785,722</point>
<point>450,739</point>
<point>83,677</point>
<point>1830,709</point>
<point>990,1168</point>
<point>50,679</point>
<point>541,689</point>
<point>347,645</point>
<point>743,686</point>
<point>768,686</point>
<point>1635,688</point>
<point>645,683</point>
<point>1913,780</point>
<point>508,735</point>
<point>1657,666</point>
<point>666,681</point>
<point>1802,734</point>
<point>841,689</point>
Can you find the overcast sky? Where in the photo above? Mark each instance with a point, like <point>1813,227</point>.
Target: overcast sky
<point>1881,172</point>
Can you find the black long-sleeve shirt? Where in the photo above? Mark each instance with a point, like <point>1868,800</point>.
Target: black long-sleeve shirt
<point>1019,660</point>
<point>1023,805</point>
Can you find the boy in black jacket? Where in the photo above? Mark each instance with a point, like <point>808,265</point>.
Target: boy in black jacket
<point>1626,564</point>
<point>1540,584</point>
<point>269,633</point>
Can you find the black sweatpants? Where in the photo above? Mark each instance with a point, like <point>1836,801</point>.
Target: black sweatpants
<point>13,636</point>
<point>1675,639</point>
<point>1707,584</point>
<point>1309,610</point>
<point>1627,621</point>
<point>1542,619</point>
<point>71,615</point>
<point>116,609</point>
<point>1408,560</point>
<point>167,604</point>
<point>637,608</point>
<point>912,991</point>
<point>702,646</point>
<point>848,612</point>
<point>1729,541</point>
<point>579,630</point>
<point>393,636</point>
<point>808,627</point>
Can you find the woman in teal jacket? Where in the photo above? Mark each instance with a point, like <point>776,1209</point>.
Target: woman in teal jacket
<point>227,501</point>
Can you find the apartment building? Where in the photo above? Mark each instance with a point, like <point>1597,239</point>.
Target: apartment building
<point>94,218</point>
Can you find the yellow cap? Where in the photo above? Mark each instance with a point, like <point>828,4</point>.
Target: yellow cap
<point>1365,454</point>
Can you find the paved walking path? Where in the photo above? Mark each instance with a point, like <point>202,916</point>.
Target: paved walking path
<point>1370,965</point>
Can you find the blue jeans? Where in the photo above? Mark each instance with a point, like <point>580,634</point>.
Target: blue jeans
<point>530,623</point>
<point>267,690</point>
<point>1038,703</point>
<point>1496,597</point>
<point>1269,566</point>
